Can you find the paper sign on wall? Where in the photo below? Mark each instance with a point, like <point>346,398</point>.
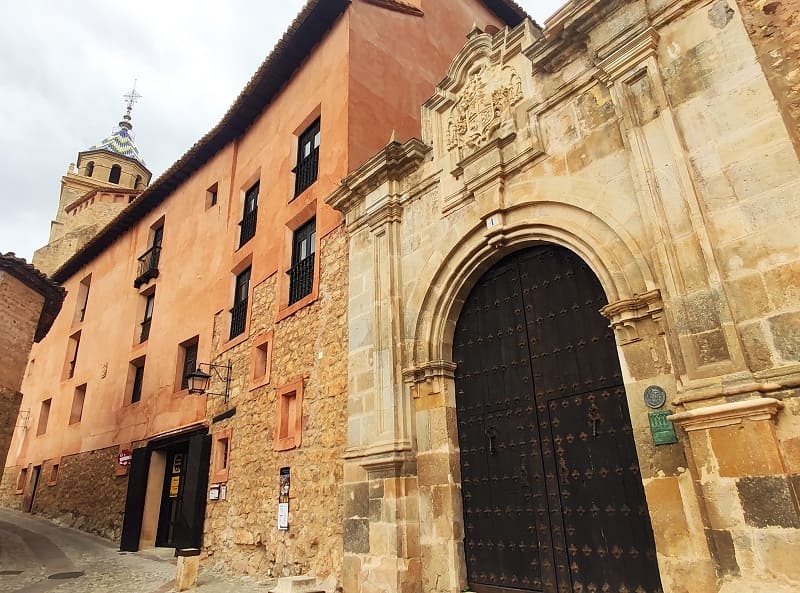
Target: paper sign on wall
<point>283,499</point>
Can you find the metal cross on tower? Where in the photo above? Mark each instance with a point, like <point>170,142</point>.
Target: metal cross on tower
<point>132,97</point>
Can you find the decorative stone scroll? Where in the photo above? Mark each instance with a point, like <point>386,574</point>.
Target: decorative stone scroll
<point>485,105</point>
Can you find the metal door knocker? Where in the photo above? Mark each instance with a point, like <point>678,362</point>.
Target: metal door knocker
<point>491,434</point>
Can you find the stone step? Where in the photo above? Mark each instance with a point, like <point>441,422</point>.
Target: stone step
<point>297,585</point>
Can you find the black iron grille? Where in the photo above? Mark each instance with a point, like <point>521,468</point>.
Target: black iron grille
<point>148,266</point>
<point>301,279</point>
<point>238,318</point>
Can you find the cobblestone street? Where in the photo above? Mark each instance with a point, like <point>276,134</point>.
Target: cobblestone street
<point>37,556</point>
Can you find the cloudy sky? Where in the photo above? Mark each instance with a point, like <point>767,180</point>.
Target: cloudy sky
<point>64,66</point>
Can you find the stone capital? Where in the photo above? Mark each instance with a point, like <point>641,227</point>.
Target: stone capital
<point>727,414</point>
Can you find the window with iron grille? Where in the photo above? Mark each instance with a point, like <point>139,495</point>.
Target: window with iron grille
<point>241,294</point>
<point>249,216</point>
<point>138,379</point>
<point>148,317</point>
<point>189,362</point>
<point>307,158</point>
<point>301,274</point>
<point>148,261</point>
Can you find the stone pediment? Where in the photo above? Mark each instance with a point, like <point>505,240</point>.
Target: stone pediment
<point>476,101</point>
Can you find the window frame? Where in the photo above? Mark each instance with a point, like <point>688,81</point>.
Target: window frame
<point>304,248</point>
<point>147,317</point>
<point>241,299</point>
<point>137,380</point>
<point>115,169</point>
<point>306,170</point>
<point>247,226</point>
<point>189,347</point>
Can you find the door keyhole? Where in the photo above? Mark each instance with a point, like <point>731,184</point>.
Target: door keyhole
<point>491,435</point>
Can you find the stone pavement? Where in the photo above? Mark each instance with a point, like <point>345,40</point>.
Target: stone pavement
<point>37,556</point>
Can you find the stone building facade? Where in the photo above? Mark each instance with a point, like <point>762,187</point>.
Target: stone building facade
<point>30,302</point>
<point>231,261</point>
<point>574,306</point>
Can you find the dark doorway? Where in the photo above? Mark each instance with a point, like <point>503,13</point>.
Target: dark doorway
<point>553,498</point>
<point>182,495</point>
<point>172,495</point>
<point>29,497</point>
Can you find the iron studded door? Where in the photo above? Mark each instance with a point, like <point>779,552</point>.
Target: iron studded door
<point>553,500</point>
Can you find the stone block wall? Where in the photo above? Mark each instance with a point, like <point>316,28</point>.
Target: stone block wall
<point>19,316</point>
<point>647,140</point>
<point>774,28</point>
<point>94,493</point>
<point>241,532</point>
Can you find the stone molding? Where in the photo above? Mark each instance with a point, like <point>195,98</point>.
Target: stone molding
<point>625,314</point>
<point>394,162</point>
<point>626,59</point>
<point>727,414</point>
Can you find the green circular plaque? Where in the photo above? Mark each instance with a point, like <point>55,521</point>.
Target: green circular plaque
<point>655,397</point>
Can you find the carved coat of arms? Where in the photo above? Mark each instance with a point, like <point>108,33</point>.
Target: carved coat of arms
<point>485,104</point>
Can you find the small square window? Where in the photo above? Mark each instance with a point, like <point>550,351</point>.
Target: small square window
<point>211,196</point>
<point>220,456</point>
<point>289,416</point>
<point>261,360</point>
<point>22,479</point>
<point>52,478</point>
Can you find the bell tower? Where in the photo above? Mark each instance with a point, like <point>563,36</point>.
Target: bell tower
<point>108,176</point>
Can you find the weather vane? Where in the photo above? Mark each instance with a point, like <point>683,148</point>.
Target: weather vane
<point>132,97</point>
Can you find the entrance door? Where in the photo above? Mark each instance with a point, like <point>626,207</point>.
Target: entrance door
<point>28,498</point>
<point>172,495</point>
<point>553,499</point>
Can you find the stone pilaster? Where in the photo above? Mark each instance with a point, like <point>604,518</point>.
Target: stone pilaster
<point>753,512</point>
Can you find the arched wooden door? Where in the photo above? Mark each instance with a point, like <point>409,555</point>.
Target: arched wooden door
<point>553,498</point>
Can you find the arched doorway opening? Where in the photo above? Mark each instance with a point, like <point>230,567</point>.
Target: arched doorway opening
<point>552,494</point>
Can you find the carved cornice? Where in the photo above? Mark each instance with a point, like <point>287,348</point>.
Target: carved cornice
<point>426,372</point>
<point>639,306</point>
<point>727,414</point>
<point>628,56</point>
<point>386,211</point>
<point>625,314</point>
<point>392,163</point>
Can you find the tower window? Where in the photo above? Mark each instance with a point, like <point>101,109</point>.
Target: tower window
<point>89,168</point>
<point>113,176</point>
<point>138,183</point>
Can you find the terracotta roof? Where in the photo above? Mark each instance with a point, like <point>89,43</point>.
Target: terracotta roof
<point>305,32</point>
<point>53,293</point>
